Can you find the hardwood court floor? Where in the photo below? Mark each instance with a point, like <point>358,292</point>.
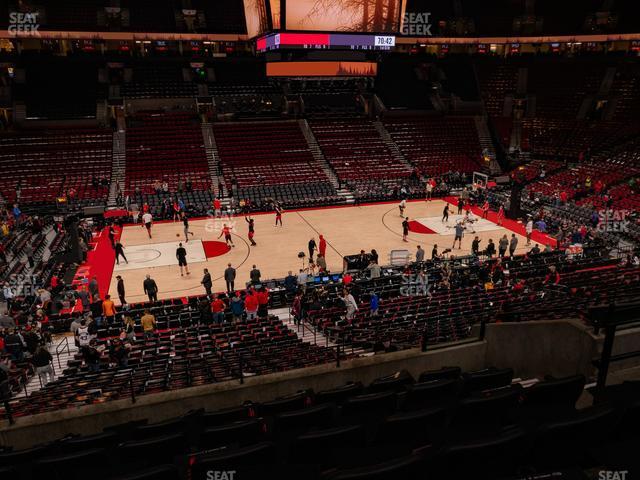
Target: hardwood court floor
<point>346,229</point>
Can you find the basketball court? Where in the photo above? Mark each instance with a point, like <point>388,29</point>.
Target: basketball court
<point>347,230</point>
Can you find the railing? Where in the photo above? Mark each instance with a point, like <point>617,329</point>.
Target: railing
<point>609,318</point>
<point>61,348</point>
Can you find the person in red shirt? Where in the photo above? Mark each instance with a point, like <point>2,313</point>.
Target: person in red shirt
<point>217,309</point>
<point>145,208</point>
<point>251,304</point>
<point>500,215</point>
<point>485,210</point>
<point>347,279</point>
<point>217,207</point>
<point>564,197</point>
<point>226,231</point>
<point>263,302</point>
<point>278,216</point>
<point>598,187</point>
<point>176,211</point>
<point>322,246</point>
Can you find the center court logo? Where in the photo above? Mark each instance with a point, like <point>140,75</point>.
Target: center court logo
<point>417,24</point>
<point>24,23</point>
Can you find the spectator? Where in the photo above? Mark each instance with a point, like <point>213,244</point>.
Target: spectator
<point>14,345</point>
<point>374,270</point>
<point>94,288</point>
<point>217,309</point>
<point>237,307</point>
<point>91,355</point>
<point>263,302</point>
<point>350,304</point>
<point>148,322</point>
<point>42,362</point>
<point>108,309</point>
<point>374,303</point>
<point>251,304</point>
<point>119,354</point>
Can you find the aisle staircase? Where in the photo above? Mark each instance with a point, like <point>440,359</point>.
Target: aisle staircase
<point>118,167</point>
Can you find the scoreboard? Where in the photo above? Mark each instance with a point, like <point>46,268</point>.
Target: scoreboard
<point>325,41</point>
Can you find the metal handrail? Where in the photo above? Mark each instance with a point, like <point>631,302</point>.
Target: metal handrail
<point>64,348</point>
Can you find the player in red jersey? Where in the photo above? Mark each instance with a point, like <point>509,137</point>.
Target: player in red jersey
<point>226,231</point>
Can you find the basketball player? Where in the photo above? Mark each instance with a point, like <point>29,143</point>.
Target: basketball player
<point>468,220</point>
<point>181,255</point>
<point>278,215</point>
<point>402,206</point>
<point>120,253</point>
<point>251,230</point>
<point>226,231</point>
<point>459,228</point>
<point>147,218</point>
<point>405,229</point>
<point>185,222</point>
<point>445,213</point>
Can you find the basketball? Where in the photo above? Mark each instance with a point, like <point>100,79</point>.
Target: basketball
<point>177,234</point>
